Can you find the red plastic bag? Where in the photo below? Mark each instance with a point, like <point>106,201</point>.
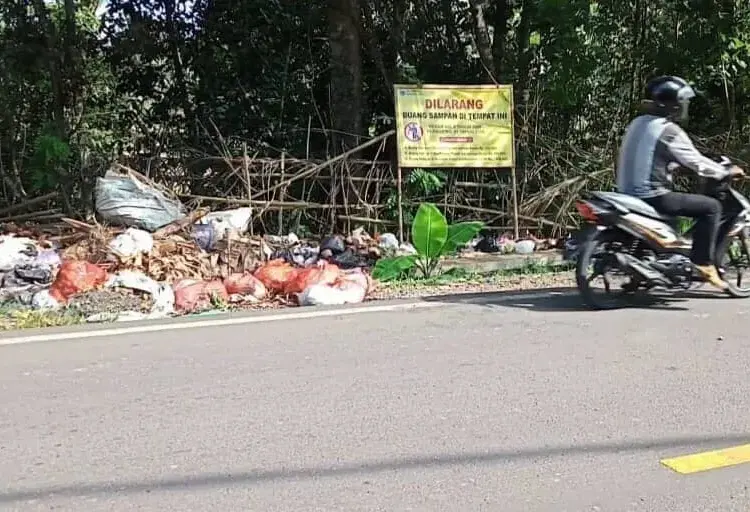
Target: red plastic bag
<point>323,273</point>
<point>76,277</point>
<point>245,284</point>
<point>190,295</point>
<point>275,274</point>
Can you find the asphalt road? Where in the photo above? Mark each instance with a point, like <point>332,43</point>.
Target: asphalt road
<point>524,405</point>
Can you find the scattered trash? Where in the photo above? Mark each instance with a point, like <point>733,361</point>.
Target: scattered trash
<point>131,244</point>
<point>570,249</point>
<point>350,259</point>
<point>125,200</point>
<point>25,281</point>
<point>407,249</point>
<point>43,300</point>
<point>48,257</point>
<point>301,256</point>
<point>525,246</point>
<point>204,236</point>
<point>162,295</point>
<point>487,244</point>
<point>16,251</point>
<point>109,300</point>
<point>506,245</point>
<point>388,242</point>
<point>228,224</point>
<point>360,238</point>
<point>153,260</point>
<point>286,241</point>
<point>331,246</point>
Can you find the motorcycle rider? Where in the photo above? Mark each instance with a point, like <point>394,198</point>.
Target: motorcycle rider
<point>653,143</point>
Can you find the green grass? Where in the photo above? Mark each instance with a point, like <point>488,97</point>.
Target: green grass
<point>15,316</point>
<point>462,276</point>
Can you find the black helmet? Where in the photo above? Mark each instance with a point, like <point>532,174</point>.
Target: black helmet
<point>669,96</point>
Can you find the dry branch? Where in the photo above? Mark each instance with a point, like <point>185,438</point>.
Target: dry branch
<point>276,204</point>
<point>27,204</point>
<point>145,179</point>
<point>45,214</point>
<point>327,163</point>
<point>368,220</point>
<point>79,225</point>
<point>180,224</point>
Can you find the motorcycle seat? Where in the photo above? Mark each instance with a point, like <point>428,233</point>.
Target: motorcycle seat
<point>626,203</point>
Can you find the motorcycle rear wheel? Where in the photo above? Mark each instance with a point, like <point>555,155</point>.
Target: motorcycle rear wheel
<point>596,253</point>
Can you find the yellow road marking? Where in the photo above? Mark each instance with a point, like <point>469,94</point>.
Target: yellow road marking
<point>697,462</point>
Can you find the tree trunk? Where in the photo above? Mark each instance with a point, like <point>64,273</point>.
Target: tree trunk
<point>528,14</point>
<point>346,73</point>
<point>483,41</point>
<point>500,23</point>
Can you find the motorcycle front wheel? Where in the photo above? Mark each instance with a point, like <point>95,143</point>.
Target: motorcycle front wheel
<point>733,257</point>
<point>597,259</point>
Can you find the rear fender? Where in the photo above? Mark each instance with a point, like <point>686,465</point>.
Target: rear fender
<point>596,211</point>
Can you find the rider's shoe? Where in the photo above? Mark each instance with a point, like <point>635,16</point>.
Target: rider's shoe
<point>710,274</point>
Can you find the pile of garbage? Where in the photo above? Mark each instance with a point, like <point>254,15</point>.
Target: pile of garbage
<point>174,262</point>
<point>146,256</point>
<point>505,244</point>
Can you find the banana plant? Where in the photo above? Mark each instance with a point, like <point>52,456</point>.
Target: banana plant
<point>433,238</point>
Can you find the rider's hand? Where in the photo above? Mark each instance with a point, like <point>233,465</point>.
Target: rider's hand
<point>736,172</point>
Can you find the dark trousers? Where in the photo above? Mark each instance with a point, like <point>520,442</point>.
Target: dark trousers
<point>707,214</point>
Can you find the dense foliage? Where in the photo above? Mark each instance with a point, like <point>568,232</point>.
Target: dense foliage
<point>163,80</point>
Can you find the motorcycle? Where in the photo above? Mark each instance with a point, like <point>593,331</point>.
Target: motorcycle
<point>629,237</point>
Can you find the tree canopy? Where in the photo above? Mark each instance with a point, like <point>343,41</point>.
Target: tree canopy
<point>82,82</point>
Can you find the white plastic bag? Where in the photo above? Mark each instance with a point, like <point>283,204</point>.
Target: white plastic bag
<point>388,241</point>
<point>43,300</point>
<point>16,251</point>
<point>162,294</point>
<point>228,224</point>
<point>525,246</point>
<point>351,288</point>
<point>331,295</point>
<point>407,249</point>
<point>131,242</point>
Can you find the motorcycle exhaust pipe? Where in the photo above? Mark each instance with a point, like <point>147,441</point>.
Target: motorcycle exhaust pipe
<point>639,270</point>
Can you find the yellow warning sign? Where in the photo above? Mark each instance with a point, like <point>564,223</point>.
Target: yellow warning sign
<point>455,125</point>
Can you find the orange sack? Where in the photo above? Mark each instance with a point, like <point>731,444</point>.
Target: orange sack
<point>275,274</point>
<point>322,273</point>
<point>76,277</point>
<point>245,284</point>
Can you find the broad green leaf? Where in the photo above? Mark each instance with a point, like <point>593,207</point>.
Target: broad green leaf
<point>460,234</point>
<point>429,232</point>
<point>389,269</point>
